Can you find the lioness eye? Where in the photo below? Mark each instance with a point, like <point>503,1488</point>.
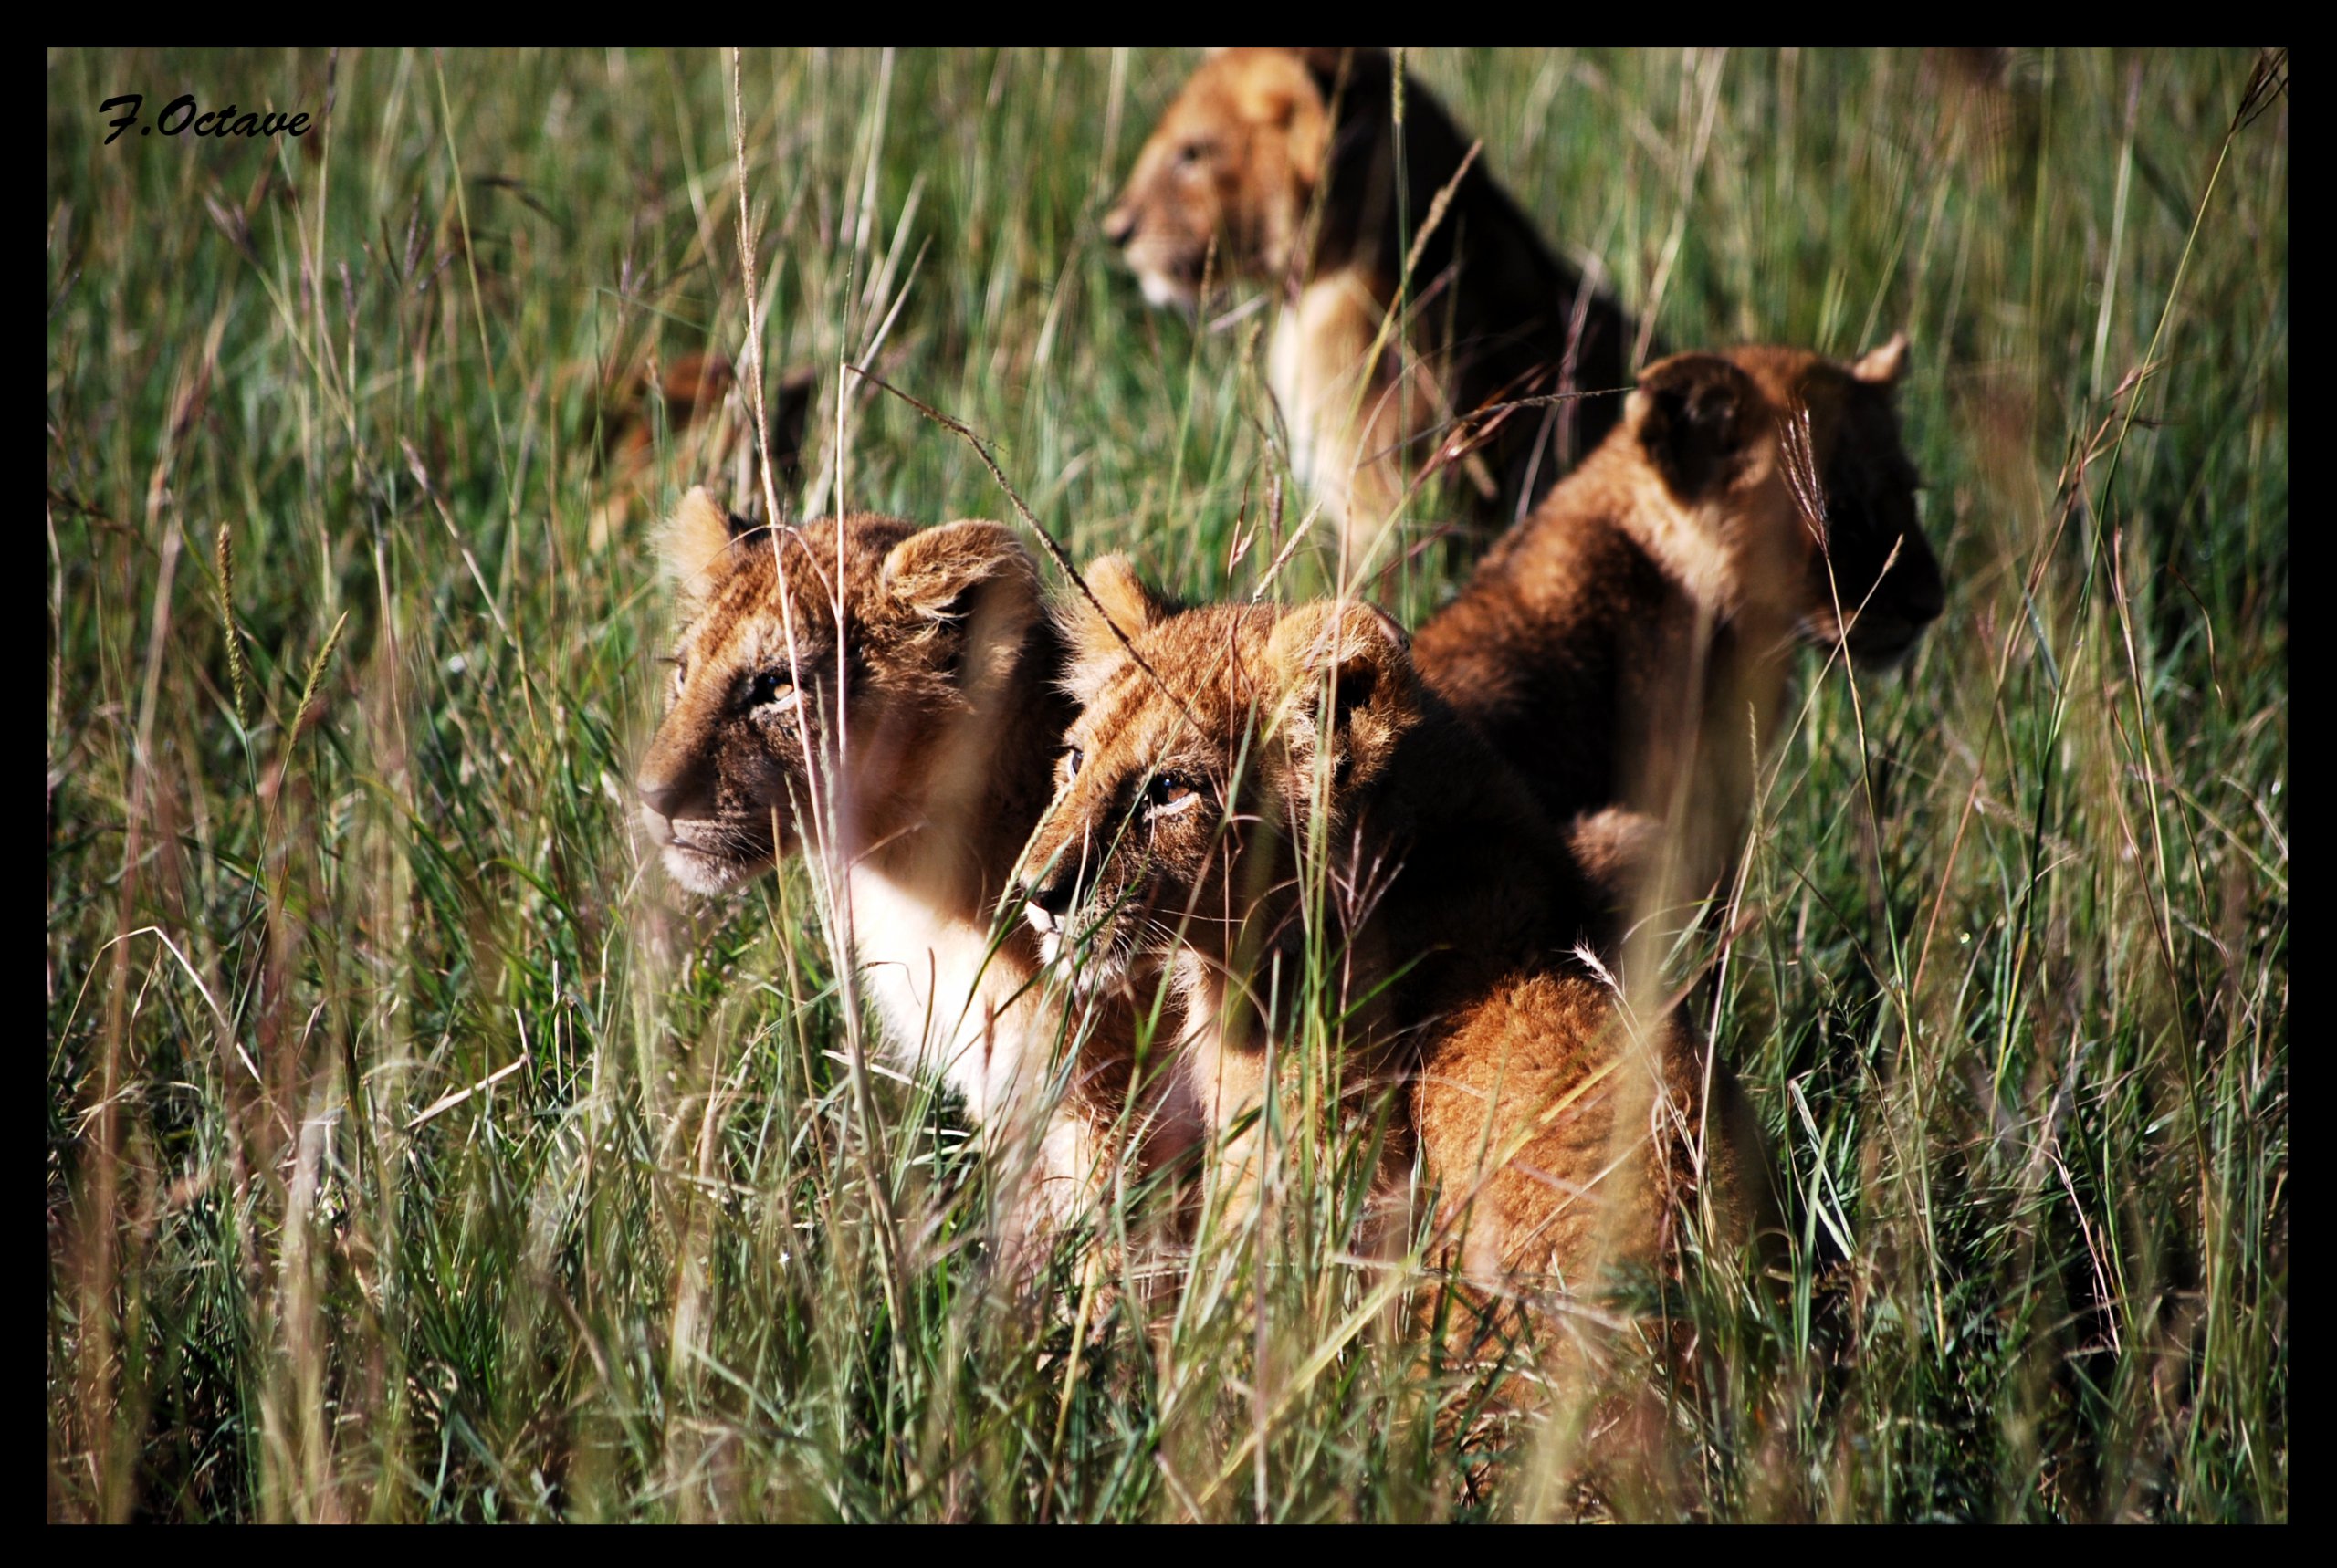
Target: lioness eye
<point>1190,153</point>
<point>1169,795</point>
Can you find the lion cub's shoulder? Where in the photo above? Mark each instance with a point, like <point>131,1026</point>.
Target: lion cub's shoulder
<point>1747,499</point>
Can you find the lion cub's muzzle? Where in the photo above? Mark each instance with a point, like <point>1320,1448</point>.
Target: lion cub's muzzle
<point>667,799</point>
<point>672,795</point>
<point>1047,905</point>
<point>704,849</point>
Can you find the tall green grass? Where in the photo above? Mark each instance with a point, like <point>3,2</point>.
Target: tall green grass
<point>415,1152</point>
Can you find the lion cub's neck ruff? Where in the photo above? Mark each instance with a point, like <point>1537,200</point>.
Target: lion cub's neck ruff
<point>920,783</point>
<point>1280,165</point>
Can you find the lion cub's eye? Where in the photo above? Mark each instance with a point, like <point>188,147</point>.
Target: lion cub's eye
<point>1171,795</point>
<point>772,689</point>
<point>1070,761</point>
<point>1191,153</point>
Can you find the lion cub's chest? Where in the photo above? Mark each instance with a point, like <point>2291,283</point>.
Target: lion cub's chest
<point>947,1002</point>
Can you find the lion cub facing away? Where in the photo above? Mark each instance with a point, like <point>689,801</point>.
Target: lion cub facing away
<point>922,784</point>
<point>1213,756</point>
<point>1280,163</point>
<point>1616,646</point>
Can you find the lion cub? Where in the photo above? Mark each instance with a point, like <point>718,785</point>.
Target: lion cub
<point>922,784</point>
<point>1621,645</point>
<point>1226,759</point>
<point>1278,165</point>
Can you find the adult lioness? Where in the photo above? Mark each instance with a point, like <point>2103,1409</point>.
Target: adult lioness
<point>1220,747</point>
<point>1280,165</point>
<point>1617,645</point>
<point>920,779</point>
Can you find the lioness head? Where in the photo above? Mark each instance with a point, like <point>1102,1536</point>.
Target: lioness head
<point>1235,160</point>
<point>1195,758</point>
<point>756,741</point>
<point>1793,461</point>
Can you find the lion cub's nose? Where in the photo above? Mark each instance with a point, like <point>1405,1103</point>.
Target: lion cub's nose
<point>1048,902</point>
<point>667,797</point>
<point>1119,225</point>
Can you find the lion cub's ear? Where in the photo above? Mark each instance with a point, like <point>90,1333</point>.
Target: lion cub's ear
<point>968,577</point>
<point>1884,366</point>
<point>1695,415</point>
<point>936,570</point>
<point>1346,671</point>
<point>1131,607</point>
<point>692,542</point>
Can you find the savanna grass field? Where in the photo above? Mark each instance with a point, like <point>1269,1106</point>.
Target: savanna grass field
<point>415,1150</point>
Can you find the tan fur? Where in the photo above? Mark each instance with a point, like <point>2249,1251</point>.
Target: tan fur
<point>1278,165</point>
<point>1623,644</point>
<point>1207,756</point>
<point>693,407</point>
<point>921,787</point>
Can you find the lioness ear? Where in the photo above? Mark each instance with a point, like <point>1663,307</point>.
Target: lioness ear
<point>969,574</point>
<point>1269,87</point>
<point>1885,366</point>
<point>1346,671</point>
<point>1290,90</point>
<point>693,540</point>
<point>1694,414</point>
